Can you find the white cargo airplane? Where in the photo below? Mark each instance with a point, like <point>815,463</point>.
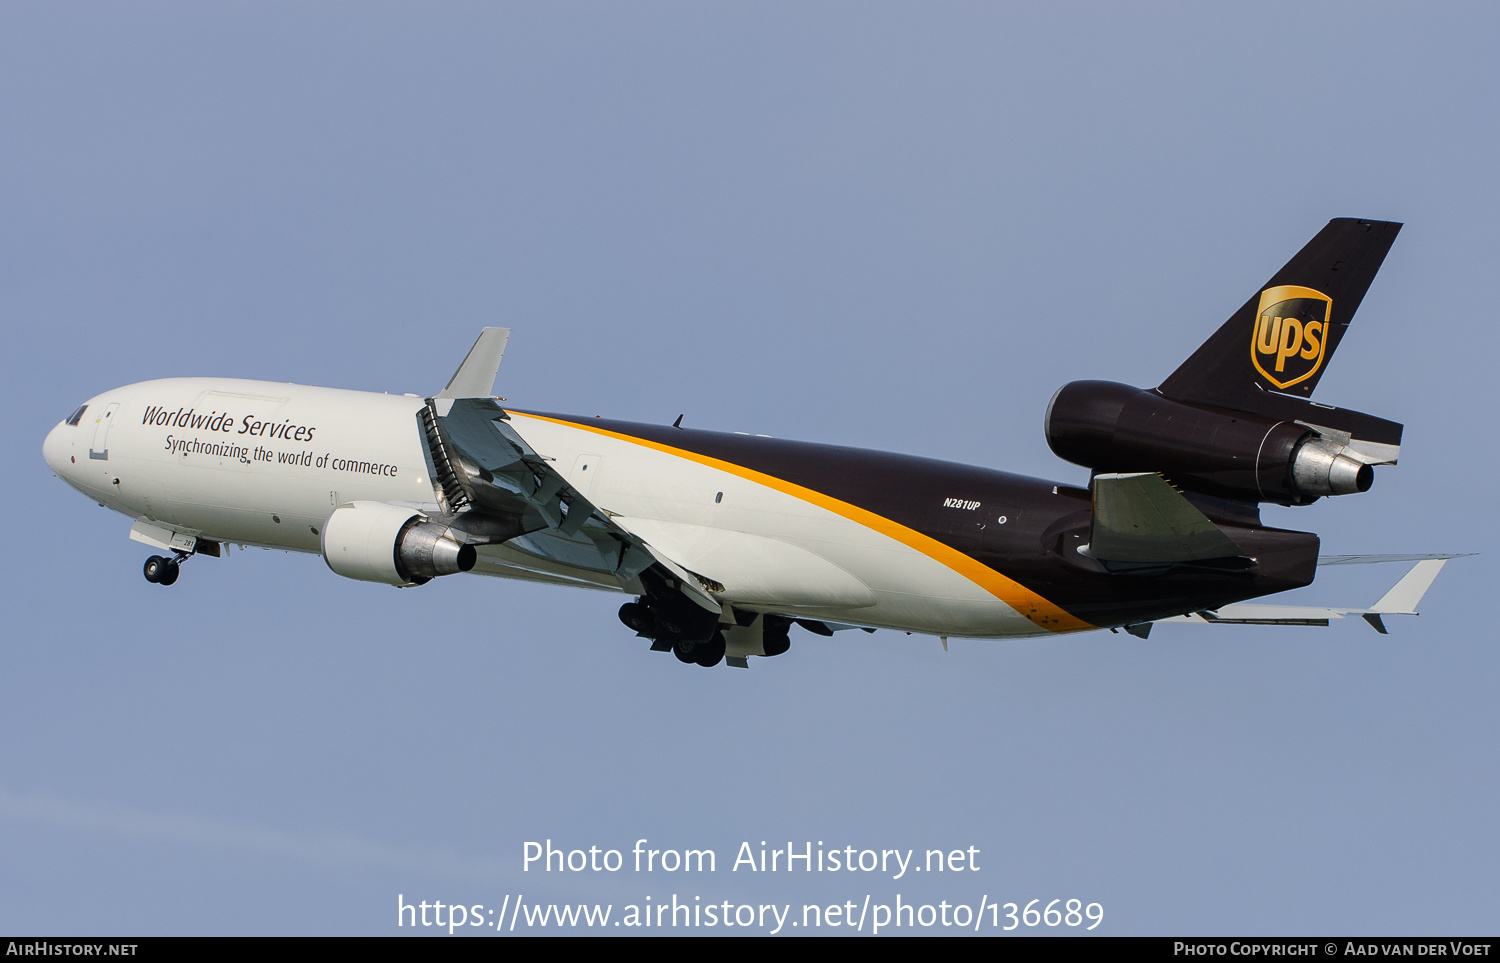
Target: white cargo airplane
<point>727,540</point>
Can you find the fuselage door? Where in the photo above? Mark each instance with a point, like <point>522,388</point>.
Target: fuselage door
<point>100,447</point>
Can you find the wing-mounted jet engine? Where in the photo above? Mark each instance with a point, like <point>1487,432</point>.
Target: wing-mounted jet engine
<point>378,542</point>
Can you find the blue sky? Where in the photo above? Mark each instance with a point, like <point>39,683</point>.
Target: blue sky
<point>893,226</point>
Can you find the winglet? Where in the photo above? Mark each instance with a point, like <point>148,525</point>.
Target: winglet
<point>1403,597</point>
<point>475,378</point>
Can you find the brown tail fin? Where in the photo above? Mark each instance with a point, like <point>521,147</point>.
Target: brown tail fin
<point>1283,338</point>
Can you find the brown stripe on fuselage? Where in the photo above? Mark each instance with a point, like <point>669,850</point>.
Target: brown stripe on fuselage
<point>897,495</point>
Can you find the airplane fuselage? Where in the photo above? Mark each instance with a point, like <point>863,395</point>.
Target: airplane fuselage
<point>804,530</point>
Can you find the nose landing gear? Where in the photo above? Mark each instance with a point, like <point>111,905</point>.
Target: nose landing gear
<point>163,571</point>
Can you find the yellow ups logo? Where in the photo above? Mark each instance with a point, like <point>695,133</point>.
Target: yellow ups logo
<point>1291,328</point>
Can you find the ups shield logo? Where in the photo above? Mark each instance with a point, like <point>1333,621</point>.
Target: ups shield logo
<point>1291,328</point>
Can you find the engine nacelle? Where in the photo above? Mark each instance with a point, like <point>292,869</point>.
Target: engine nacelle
<point>376,542</point>
<point>1119,428</point>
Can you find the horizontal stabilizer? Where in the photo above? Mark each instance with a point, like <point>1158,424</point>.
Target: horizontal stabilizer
<point>475,378</point>
<point>1140,518</point>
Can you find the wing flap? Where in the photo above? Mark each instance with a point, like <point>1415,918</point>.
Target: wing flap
<point>754,569</point>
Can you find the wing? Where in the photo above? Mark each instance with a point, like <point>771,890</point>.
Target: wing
<point>499,489</point>
<point>1324,560</point>
<point>1402,599</point>
<point>1139,519</point>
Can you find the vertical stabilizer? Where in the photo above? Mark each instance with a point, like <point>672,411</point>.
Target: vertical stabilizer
<point>1283,338</point>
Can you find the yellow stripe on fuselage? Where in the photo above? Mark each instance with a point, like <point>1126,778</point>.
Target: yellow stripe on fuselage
<point>1028,603</point>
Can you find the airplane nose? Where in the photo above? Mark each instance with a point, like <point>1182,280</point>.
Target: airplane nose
<point>54,450</point>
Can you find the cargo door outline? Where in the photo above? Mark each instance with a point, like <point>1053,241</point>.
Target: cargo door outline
<point>99,448</point>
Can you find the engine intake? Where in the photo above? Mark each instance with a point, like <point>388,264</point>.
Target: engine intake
<point>376,542</point>
<point>1112,427</point>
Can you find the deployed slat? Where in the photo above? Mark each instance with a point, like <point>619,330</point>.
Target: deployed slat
<point>453,490</point>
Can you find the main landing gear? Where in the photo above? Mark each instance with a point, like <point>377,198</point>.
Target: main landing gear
<point>707,654</point>
<point>676,624</point>
<point>682,628</point>
<point>163,571</point>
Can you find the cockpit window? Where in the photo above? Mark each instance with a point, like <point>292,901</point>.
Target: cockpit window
<point>76,416</point>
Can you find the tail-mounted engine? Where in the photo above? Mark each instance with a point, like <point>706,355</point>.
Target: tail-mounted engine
<point>376,542</point>
<point>1111,427</point>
